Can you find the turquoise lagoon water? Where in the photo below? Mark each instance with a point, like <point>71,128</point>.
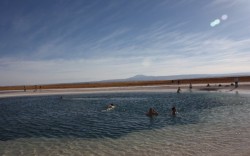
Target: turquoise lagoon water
<point>206,124</point>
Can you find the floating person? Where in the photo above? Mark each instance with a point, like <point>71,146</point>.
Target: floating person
<point>151,112</point>
<point>179,90</point>
<point>173,110</point>
<point>110,107</point>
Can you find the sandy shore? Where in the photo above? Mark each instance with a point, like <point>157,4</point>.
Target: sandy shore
<point>243,89</point>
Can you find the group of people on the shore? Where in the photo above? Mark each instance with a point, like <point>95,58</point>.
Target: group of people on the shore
<point>152,112</point>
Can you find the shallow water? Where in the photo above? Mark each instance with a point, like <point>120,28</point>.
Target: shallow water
<point>206,124</point>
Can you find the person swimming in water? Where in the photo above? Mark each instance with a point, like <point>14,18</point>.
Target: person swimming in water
<point>111,105</point>
<point>173,110</point>
<point>151,112</point>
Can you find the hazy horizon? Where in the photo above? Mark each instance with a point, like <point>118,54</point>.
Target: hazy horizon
<point>141,77</point>
<point>44,42</point>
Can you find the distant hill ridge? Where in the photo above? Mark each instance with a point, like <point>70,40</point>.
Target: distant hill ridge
<point>139,80</point>
<point>176,77</point>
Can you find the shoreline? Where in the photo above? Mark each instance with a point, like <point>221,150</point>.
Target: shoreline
<point>224,88</point>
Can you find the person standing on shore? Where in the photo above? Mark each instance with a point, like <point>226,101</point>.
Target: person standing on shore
<point>236,81</point>
<point>190,85</point>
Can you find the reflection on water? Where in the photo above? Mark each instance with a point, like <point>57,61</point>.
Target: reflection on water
<point>205,124</point>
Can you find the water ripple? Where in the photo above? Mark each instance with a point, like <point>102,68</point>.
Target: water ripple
<point>51,125</point>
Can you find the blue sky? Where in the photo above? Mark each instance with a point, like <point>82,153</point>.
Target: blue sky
<point>89,40</point>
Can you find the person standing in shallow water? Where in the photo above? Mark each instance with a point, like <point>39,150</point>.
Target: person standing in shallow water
<point>173,110</point>
<point>151,112</point>
<point>179,90</point>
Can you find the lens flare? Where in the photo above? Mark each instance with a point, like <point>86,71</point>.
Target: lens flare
<point>224,17</point>
<point>215,23</point>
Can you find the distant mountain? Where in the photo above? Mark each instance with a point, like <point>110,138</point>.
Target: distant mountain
<point>173,77</point>
<point>176,77</point>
